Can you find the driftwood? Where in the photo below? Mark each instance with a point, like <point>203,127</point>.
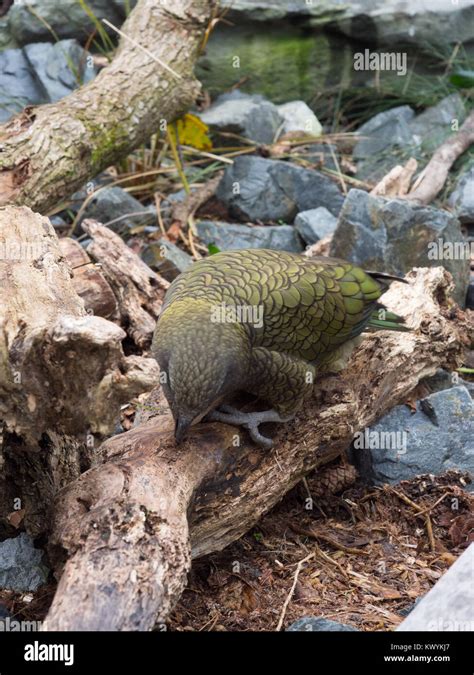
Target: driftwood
<point>63,374</point>
<point>125,530</point>
<point>48,152</point>
<point>433,177</point>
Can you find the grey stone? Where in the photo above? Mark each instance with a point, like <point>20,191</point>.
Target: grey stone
<point>118,210</point>
<point>250,116</point>
<point>394,235</point>
<point>298,116</point>
<point>383,131</point>
<point>393,136</point>
<point>315,224</point>
<point>431,127</point>
<point>462,197</point>
<point>228,236</point>
<point>443,379</point>
<point>449,605</point>
<point>166,258</point>
<point>309,624</point>
<point>40,73</point>
<point>254,189</point>
<point>18,87</point>
<point>21,568</point>
<point>65,17</point>
<point>51,64</point>
<point>380,22</point>
<point>396,22</point>
<point>439,437</point>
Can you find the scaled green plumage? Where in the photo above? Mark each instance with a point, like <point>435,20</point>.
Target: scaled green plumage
<point>265,322</point>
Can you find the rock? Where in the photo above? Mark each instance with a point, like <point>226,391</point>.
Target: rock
<point>315,224</point>
<point>395,22</point>
<point>18,87</point>
<point>438,437</point>
<point>393,136</point>
<point>319,624</point>
<point>21,568</point>
<point>166,258</point>
<point>40,73</point>
<point>118,210</point>
<point>252,117</point>
<point>462,197</point>
<point>449,605</point>
<point>298,116</point>
<point>442,380</point>
<point>433,126</point>
<point>394,235</point>
<point>66,18</point>
<point>228,236</point>
<point>380,22</point>
<point>254,189</point>
<point>383,131</point>
<point>51,64</point>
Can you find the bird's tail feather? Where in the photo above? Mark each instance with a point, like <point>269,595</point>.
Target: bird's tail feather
<point>382,319</point>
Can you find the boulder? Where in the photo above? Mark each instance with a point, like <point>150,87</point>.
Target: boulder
<point>462,197</point>
<point>297,116</point>
<point>394,235</point>
<point>228,236</point>
<point>449,605</point>
<point>252,117</point>
<point>439,436</point>
<point>315,224</point>
<point>256,189</point>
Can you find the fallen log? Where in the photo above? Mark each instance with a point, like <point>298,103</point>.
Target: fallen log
<point>48,152</point>
<point>125,531</point>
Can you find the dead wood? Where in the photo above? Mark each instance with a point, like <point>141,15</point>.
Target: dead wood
<point>431,180</point>
<point>48,152</point>
<point>138,290</point>
<point>63,374</point>
<point>124,530</point>
<point>88,281</point>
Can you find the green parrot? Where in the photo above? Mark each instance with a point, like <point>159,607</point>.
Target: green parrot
<point>264,322</point>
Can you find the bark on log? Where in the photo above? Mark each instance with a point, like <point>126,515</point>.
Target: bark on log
<point>63,374</point>
<point>126,527</point>
<point>48,152</point>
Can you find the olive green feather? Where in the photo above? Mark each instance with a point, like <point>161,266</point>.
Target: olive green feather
<point>308,313</point>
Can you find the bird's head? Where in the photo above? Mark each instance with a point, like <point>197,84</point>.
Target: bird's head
<point>201,363</point>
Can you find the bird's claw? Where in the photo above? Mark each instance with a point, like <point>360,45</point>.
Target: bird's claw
<point>250,421</point>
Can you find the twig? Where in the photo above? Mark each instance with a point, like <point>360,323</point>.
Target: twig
<point>292,590</point>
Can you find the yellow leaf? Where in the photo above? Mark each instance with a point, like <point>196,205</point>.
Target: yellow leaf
<point>190,130</point>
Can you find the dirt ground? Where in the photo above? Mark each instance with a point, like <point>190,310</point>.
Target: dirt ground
<point>361,557</point>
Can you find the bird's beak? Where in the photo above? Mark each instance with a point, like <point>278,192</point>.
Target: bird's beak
<point>181,428</point>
